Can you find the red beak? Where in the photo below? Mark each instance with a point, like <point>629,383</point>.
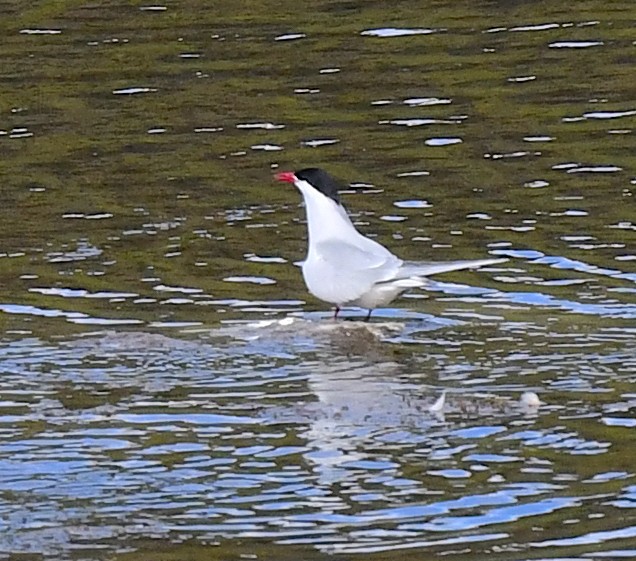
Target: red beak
<point>286,176</point>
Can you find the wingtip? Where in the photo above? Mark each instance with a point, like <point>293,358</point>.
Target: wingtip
<point>497,260</point>
<point>479,263</point>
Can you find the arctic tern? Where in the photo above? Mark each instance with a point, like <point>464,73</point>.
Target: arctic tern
<point>345,268</point>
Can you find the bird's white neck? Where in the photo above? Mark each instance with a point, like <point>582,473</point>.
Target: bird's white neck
<point>326,219</point>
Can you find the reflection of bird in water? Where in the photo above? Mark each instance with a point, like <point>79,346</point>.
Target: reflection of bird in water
<point>358,406</point>
<point>363,403</point>
<point>363,407</point>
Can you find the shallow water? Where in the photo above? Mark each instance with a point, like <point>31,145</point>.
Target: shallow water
<point>167,386</point>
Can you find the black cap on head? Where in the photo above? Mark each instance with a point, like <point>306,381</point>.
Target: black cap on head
<point>321,181</point>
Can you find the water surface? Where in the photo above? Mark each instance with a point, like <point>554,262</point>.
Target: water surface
<point>167,386</point>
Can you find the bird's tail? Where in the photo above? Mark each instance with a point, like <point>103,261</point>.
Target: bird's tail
<point>411,269</point>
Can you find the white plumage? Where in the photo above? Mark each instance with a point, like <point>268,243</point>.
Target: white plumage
<point>345,268</point>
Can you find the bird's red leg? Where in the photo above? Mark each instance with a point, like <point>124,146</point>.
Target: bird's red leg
<point>335,315</point>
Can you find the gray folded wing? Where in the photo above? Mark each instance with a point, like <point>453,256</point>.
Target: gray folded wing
<point>350,270</point>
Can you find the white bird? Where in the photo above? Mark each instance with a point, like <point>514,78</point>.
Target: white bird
<point>345,268</point>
